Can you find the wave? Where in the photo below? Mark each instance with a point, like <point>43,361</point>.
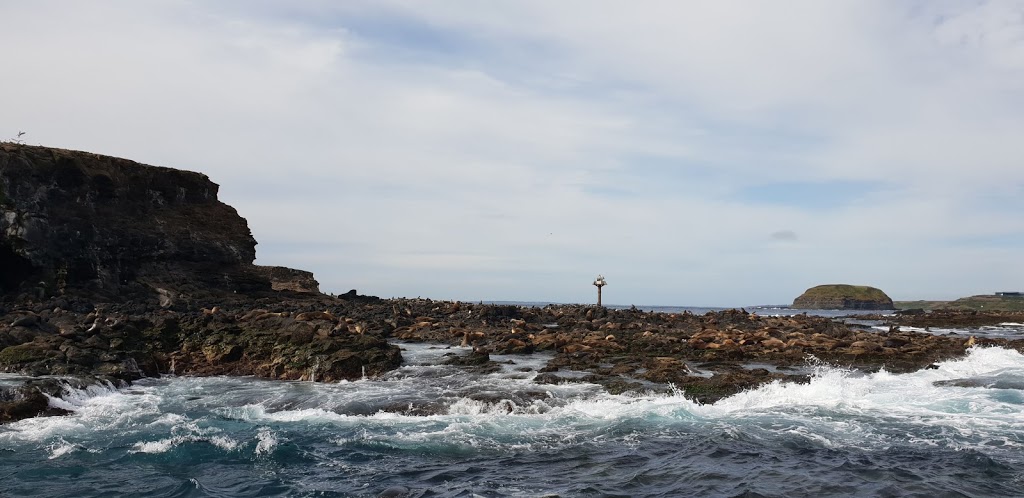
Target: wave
<point>837,408</point>
<point>974,402</point>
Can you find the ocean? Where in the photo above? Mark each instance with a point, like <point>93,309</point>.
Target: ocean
<point>428,430</point>
<point>765,310</point>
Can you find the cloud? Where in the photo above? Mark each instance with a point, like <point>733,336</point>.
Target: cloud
<point>513,150</point>
<point>784,236</point>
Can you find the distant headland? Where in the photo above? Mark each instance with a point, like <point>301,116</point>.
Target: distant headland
<point>998,301</point>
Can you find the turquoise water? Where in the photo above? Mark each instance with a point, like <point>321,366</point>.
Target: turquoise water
<point>429,430</point>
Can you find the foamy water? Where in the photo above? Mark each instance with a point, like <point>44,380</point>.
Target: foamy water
<point>437,431</point>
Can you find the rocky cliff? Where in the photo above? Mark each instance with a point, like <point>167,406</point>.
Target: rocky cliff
<point>843,297</point>
<point>87,224</point>
<point>290,279</point>
<point>115,270</point>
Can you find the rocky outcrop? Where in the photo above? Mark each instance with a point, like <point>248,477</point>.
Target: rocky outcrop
<point>111,270</point>
<point>843,297</point>
<point>290,279</point>
<point>954,318</point>
<point>706,356</point>
<point>319,339</point>
<point>87,224</point>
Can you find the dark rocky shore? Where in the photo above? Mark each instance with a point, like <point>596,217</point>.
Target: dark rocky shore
<point>113,270</point>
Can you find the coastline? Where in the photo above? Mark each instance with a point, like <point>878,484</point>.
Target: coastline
<point>121,271</point>
<point>326,339</point>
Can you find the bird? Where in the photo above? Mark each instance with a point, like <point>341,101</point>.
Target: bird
<point>20,133</point>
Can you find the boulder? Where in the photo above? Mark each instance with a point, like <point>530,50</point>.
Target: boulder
<point>282,278</point>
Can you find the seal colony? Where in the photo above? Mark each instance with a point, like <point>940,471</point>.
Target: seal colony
<point>326,339</point>
<point>114,271</point>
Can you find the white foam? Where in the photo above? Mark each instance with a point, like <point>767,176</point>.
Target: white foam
<point>982,361</point>
<point>259,413</point>
<point>160,446</point>
<point>838,407</point>
<point>95,408</point>
<point>75,399</point>
<point>169,419</point>
<point>266,441</point>
<point>188,434</point>
<point>466,406</point>
<point>60,448</point>
<point>224,443</point>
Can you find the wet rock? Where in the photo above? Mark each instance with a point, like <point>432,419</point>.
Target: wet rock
<point>478,360</point>
<point>956,318</point>
<point>23,402</point>
<point>549,378</point>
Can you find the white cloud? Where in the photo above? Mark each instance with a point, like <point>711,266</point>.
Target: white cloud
<point>541,143</point>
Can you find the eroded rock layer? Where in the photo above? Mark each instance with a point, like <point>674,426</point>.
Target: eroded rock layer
<point>85,223</point>
<point>111,270</point>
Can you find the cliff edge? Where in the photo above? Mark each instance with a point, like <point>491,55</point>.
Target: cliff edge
<point>111,270</point>
<point>92,225</point>
<point>843,297</point>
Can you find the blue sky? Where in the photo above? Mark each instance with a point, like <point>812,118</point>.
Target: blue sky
<point>721,153</point>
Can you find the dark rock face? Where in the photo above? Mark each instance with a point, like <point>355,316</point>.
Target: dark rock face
<point>112,270</point>
<point>125,346</point>
<point>75,221</point>
<point>843,297</point>
<point>282,278</point>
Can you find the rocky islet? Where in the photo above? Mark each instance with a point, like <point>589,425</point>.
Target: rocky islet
<point>843,297</point>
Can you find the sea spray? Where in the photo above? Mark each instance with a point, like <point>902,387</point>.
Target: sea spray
<point>440,431</point>
<point>266,442</point>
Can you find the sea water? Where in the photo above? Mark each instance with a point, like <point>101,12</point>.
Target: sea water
<point>433,430</point>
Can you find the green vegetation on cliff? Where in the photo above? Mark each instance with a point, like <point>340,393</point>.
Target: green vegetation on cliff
<point>977,303</point>
<point>843,296</point>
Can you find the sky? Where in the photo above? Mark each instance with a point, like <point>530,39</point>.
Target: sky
<point>725,153</point>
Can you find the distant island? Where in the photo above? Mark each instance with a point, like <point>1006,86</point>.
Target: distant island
<point>1000,301</point>
<point>843,297</point>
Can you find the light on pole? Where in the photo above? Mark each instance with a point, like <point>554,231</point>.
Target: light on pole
<point>599,282</point>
